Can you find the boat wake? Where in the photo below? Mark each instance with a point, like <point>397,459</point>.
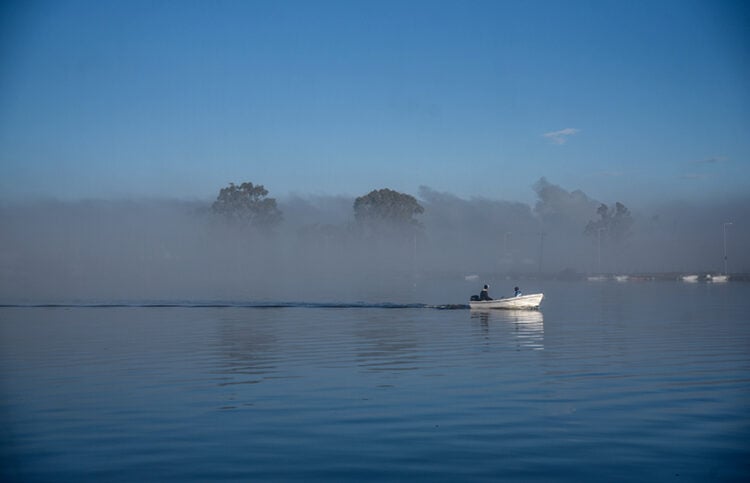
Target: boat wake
<point>247,305</point>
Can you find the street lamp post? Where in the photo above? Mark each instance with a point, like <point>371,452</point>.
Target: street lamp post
<point>599,231</point>
<point>726,272</point>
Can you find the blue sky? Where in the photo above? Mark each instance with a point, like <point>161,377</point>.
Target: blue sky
<point>625,100</point>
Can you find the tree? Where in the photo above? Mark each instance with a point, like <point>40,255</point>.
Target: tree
<point>387,207</point>
<point>615,223</point>
<point>247,204</point>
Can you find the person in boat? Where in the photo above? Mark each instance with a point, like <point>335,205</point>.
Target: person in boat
<point>517,292</point>
<point>485,293</point>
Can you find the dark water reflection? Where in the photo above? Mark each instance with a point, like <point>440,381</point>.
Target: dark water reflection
<point>616,382</point>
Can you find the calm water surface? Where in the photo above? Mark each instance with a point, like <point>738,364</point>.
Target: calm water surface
<point>609,382</point>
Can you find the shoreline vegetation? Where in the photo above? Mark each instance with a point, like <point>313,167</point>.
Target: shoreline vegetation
<point>381,246</point>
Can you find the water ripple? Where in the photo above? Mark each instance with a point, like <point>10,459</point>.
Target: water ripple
<point>592,388</point>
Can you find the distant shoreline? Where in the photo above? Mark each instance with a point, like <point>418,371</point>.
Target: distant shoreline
<point>703,277</point>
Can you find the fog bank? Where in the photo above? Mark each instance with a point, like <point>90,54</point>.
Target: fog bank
<point>148,250</point>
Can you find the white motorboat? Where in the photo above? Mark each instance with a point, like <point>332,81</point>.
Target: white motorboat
<point>690,278</point>
<point>718,278</point>
<point>531,301</point>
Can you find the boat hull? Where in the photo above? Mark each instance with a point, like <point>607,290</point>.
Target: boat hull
<point>718,278</point>
<point>531,301</point>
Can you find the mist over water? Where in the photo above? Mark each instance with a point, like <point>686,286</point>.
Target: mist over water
<point>100,250</point>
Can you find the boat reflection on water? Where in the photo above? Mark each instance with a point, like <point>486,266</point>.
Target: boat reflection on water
<point>527,325</point>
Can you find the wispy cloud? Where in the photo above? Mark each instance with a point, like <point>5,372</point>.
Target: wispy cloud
<point>711,160</point>
<point>561,136</point>
<point>702,165</point>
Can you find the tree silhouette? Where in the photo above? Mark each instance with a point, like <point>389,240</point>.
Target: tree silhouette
<point>247,204</point>
<point>615,224</point>
<point>386,206</point>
